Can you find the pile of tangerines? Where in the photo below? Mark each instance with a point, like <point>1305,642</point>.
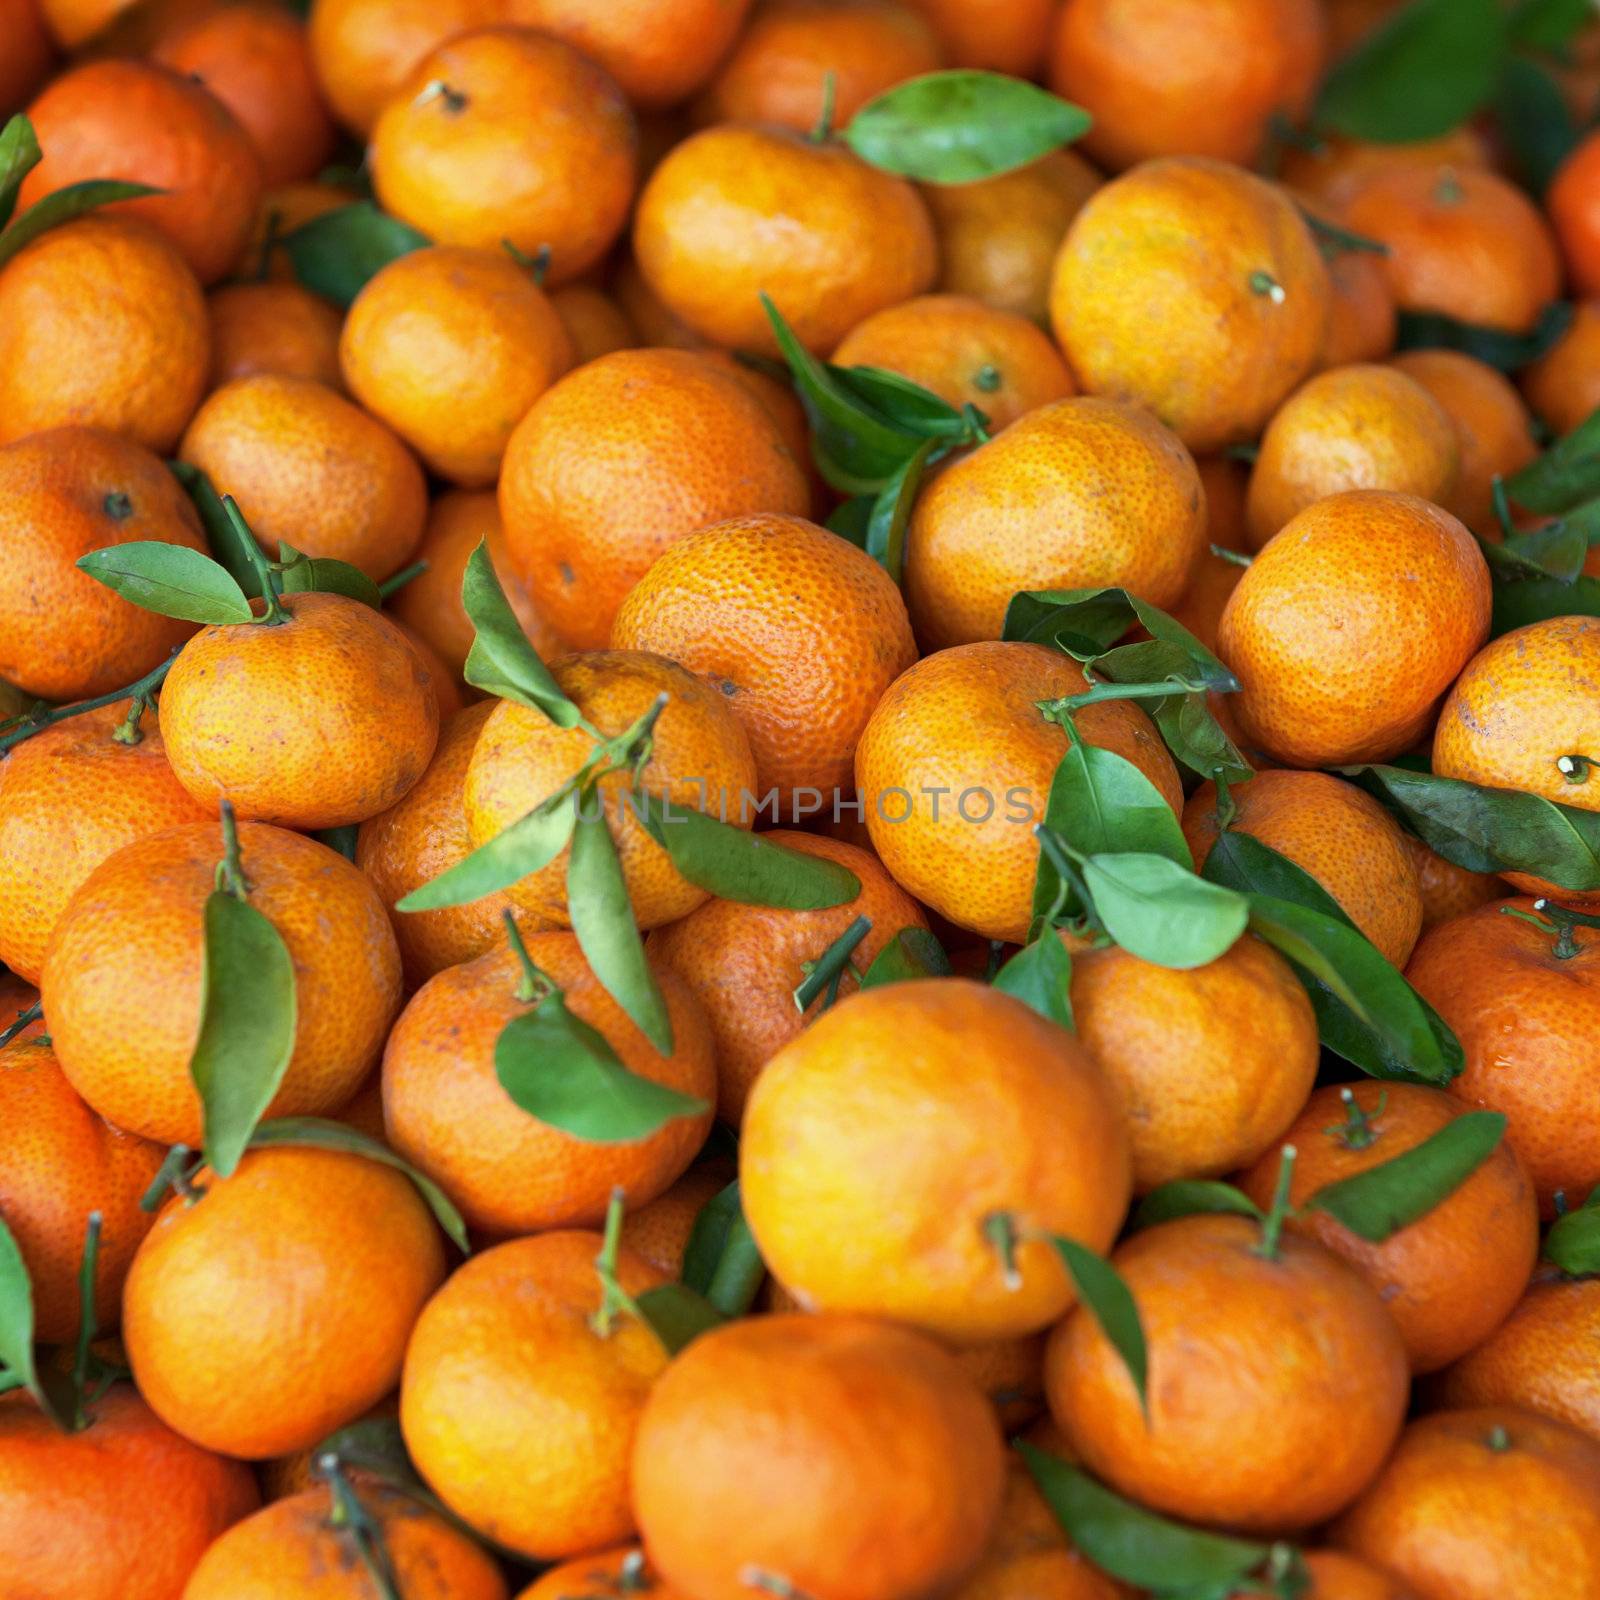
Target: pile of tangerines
<point>799,799</point>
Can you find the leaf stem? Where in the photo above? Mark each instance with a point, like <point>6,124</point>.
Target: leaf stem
<point>230,871</point>
<point>266,576</point>
<point>614,1299</point>
<point>349,1515</point>
<point>828,969</point>
<point>395,584</point>
<point>24,1018</point>
<point>87,1327</point>
<point>1235,558</point>
<point>1272,1224</point>
<point>534,985</point>
<point>31,722</point>
<point>175,1173</point>
<point>830,94</point>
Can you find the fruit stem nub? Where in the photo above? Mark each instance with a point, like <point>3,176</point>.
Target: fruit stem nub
<point>1003,1235</point>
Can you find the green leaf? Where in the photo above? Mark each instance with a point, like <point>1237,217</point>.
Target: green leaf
<point>335,254</point>
<point>19,155</point>
<point>343,838</point>
<point>1533,116</point>
<point>323,575</point>
<point>318,1133</point>
<point>530,843</point>
<point>1491,830</point>
<point>227,544</point>
<point>721,1260</point>
<point>852,519</point>
<point>912,953</point>
<point>16,1321</point>
<point>1161,912</point>
<point>1366,1011</point>
<point>857,449</point>
<point>1379,1202</point>
<point>1188,1197</point>
<point>1548,24</point>
<point>1100,803</point>
<point>66,205</point>
<point>1196,738</point>
<point>960,126</point>
<point>501,661</point>
<point>1134,1544</point>
<point>1417,75</point>
<point>1040,975</point>
<point>900,401</point>
<point>891,511</point>
<point>1110,1302</point>
<point>1087,623</point>
<point>1509,352</point>
<point>170,579</point>
<point>1573,1242</point>
<point>602,918</point>
<point>247,1023</point>
<point>677,1315</point>
<point>1566,475</point>
<point>564,1072</point>
<point>1557,551</point>
<point>734,864</point>
<point>1539,599</point>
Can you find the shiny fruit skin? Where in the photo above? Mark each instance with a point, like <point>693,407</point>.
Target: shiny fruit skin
<point>1449,1278</point>
<point>619,459</point>
<point>1244,314</point>
<point>799,630</point>
<point>1350,625</point>
<point>251,711</point>
<point>518,1414</point>
<point>1015,1116</point>
<point>1355,427</point>
<point>1451,1512</point>
<point>1186,77</point>
<point>291,1547</point>
<point>745,962</point>
<point>769,1429</point>
<point>700,759</point>
<point>955,766</point>
<point>1524,1015</point>
<point>120,1511</point>
<point>62,1161</point>
<point>131,940</point>
<point>136,120</point>
<point>276,1306</point>
<point>509,1173</point>
<point>1212,1064</point>
<point>534,144</point>
<point>102,325</point>
<point>1335,832</point>
<point>449,347</point>
<point>854,239</point>
<point>308,466</point>
<point>1079,494</point>
<point>1290,1358</point>
<point>63,493</point>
